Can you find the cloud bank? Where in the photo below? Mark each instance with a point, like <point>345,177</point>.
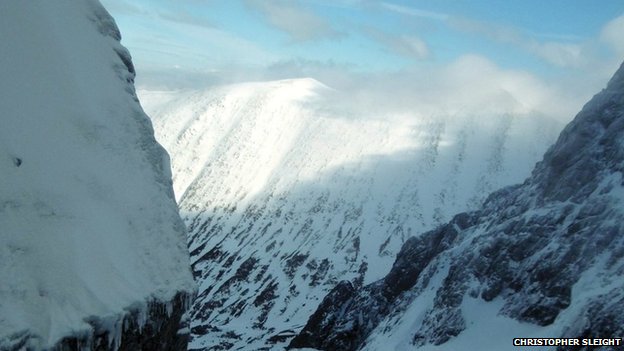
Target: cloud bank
<point>176,47</point>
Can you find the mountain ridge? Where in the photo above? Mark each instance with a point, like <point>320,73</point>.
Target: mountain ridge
<point>284,195</point>
<point>547,252</point>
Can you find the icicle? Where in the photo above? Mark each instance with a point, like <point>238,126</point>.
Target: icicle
<point>169,308</point>
<point>142,313</point>
<point>115,330</point>
<point>88,344</point>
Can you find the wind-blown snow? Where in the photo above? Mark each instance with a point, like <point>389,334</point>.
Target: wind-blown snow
<point>88,222</point>
<point>284,196</point>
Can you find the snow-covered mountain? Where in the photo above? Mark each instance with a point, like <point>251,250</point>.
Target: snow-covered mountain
<point>92,248</point>
<point>285,196</point>
<point>541,259</point>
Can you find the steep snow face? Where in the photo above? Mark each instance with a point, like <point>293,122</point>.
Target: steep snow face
<point>284,196</point>
<point>540,259</point>
<point>88,220</point>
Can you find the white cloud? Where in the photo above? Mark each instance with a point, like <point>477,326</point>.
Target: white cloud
<point>172,41</point>
<point>177,13</point>
<point>560,54</point>
<point>203,55</point>
<point>474,84</point>
<point>471,84</point>
<point>563,51</point>
<point>122,7</point>
<point>299,23</point>
<point>407,45</point>
<point>411,46</point>
<point>613,35</point>
<point>410,11</point>
<point>186,17</point>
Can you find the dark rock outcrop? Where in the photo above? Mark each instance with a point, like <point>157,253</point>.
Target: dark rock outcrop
<point>157,326</point>
<point>346,316</point>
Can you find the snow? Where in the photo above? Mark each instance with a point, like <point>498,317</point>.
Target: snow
<point>88,221</point>
<point>486,328</point>
<point>271,169</point>
<point>597,290</point>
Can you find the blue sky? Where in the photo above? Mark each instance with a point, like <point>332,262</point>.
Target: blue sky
<point>341,42</point>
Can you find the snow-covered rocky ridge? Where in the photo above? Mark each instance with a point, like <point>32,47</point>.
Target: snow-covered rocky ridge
<point>92,249</point>
<point>284,197</point>
<point>541,259</point>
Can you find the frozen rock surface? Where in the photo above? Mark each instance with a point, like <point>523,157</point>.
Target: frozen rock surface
<point>92,248</point>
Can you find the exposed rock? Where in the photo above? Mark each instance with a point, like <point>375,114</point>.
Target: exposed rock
<point>159,326</point>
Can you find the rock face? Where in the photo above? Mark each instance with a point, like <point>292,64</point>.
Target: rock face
<point>92,249</point>
<point>544,258</point>
<point>284,197</point>
<point>160,326</point>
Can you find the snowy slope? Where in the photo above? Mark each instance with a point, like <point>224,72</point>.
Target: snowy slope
<point>544,258</point>
<point>284,197</point>
<point>88,222</point>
